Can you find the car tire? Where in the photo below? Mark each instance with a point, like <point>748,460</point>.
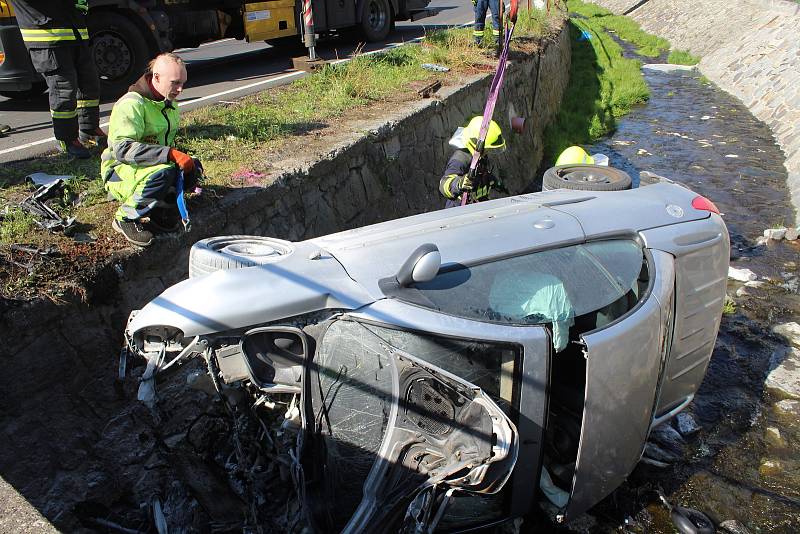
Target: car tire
<point>120,51</point>
<point>36,90</point>
<point>234,252</point>
<point>585,178</point>
<point>376,20</point>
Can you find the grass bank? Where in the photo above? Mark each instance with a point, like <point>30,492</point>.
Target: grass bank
<point>604,85</point>
<point>236,140</point>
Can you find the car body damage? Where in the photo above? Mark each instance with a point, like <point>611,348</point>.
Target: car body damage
<point>436,368</point>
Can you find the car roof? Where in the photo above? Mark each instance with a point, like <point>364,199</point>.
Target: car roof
<point>506,227</point>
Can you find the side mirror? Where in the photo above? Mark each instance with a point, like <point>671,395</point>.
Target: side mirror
<point>421,266</point>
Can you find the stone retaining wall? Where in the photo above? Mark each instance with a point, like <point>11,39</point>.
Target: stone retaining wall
<point>749,48</point>
<point>62,420</point>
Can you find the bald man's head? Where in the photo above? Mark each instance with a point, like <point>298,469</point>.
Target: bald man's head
<point>169,75</point>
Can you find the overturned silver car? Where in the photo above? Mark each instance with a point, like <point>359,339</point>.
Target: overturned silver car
<point>444,363</point>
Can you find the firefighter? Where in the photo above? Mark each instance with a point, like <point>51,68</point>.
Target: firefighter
<point>140,165</point>
<point>54,31</point>
<point>481,6</point>
<point>455,180</point>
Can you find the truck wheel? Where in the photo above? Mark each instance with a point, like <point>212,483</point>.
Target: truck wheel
<point>36,90</point>
<point>376,20</point>
<point>585,178</point>
<point>120,51</point>
<point>235,251</point>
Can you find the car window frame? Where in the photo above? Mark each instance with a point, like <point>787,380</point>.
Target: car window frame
<point>419,299</point>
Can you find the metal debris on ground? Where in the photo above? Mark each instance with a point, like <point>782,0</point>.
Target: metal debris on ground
<point>435,67</point>
<point>426,90</point>
<point>48,187</point>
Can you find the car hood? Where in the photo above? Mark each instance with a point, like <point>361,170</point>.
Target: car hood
<point>237,298</point>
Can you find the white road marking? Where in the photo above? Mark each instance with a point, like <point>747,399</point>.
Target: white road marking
<point>286,76</point>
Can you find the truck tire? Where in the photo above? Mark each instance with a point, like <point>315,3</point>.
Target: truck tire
<point>585,178</point>
<point>120,51</point>
<point>376,19</point>
<point>36,90</point>
<point>235,251</point>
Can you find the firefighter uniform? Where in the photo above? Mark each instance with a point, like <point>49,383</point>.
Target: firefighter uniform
<point>481,6</point>
<point>455,182</point>
<point>57,39</point>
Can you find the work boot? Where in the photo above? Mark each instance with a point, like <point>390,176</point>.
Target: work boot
<point>74,148</point>
<point>133,232</point>
<point>94,138</point>
<point>5,129</point>
<point>164,220</point>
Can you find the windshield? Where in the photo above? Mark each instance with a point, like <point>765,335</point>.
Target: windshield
<point>551,286</point>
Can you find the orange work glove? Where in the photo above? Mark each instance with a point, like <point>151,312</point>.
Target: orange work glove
<point>183,160</point>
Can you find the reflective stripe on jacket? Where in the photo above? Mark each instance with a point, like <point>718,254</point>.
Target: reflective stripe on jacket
<point>50,23</point>
<point>140,134</point>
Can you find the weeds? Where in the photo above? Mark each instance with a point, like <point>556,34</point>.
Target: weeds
<point>682,57</point>
<point>626,28</point>
<point>603,86</point>
<point>230,137</point>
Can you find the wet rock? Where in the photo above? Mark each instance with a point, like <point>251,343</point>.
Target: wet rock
<point>584,523</point>
<point>666,437</point>
<point>742,275</point>
<point>653,451</point>
<point>770,468</point>
<point>686,424</point>
<point>755,283</point>
<point>791,234</point>
<point>775,233</point>
<point>789,408</point>
<point>742,292</point>
<point>784,379</point>
<point>732,526</point>
<point>791,331</point>
<point>761,240</point>
<point>774,438</point>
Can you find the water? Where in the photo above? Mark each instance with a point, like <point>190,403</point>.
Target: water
<point>734,469</point>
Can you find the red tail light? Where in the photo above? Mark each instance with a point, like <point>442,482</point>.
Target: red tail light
<point>702,203</point>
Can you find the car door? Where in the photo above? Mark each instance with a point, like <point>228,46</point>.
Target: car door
<point>623,364</point>
<point>391,431</point>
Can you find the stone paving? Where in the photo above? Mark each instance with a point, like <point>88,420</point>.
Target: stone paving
<point>749,48</point>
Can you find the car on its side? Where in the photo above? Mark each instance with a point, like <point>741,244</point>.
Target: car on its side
<point>443,362</point>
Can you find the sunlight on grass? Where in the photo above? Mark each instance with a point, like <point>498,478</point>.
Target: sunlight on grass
<point>603,87</point>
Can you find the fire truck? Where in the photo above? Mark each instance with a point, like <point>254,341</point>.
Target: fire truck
<point>126,34</point>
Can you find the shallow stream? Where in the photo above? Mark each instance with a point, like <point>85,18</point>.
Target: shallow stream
<point>734,468</point>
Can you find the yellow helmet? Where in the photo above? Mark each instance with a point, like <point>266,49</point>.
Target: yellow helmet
<point>494,135</point>
<point>574,155</point>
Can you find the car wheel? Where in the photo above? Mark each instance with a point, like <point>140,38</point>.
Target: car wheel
<point>120,51</point>
<point>235,251</point>
<point>585,178</point>
<point>36,90</point>
<point>376,20</point>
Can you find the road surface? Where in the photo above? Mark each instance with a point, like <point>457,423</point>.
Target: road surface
<point>218,71</point>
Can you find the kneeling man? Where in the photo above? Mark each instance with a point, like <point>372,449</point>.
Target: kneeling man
<point>139,166</point>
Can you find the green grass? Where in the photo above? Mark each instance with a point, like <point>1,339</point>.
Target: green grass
<point>729,307</point>
<point>626,28</point>
<point>603,87</point>
<point>16,226</point>
<point>683,57</point>
<point>230,138</point>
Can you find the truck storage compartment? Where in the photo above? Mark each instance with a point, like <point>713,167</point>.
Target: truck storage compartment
<point>269,20</point>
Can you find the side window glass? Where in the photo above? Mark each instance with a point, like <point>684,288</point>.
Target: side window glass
<point>549,287</point>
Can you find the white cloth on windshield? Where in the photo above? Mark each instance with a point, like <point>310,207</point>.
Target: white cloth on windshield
<point>516,295</point>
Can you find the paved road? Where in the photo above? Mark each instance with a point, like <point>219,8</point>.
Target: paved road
<point>218,71</point>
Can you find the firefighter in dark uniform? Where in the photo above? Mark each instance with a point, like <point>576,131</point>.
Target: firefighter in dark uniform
<point>455,180</point>
<point>55,33</point>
